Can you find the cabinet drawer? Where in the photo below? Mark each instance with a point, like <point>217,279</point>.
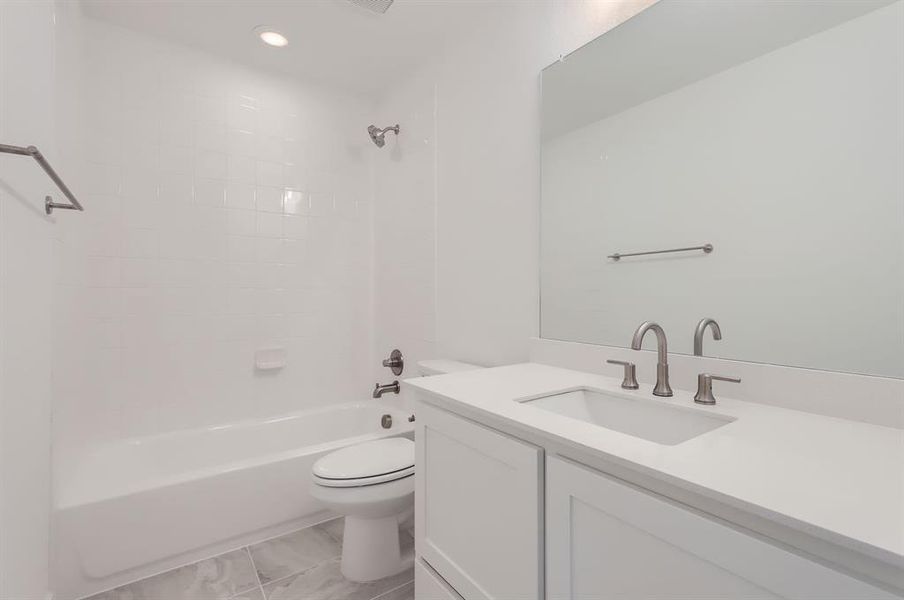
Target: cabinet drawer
<point>478,507</point>
<point>607,539</point>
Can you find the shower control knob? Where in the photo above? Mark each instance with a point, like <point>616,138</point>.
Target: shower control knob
<point>395,362</point>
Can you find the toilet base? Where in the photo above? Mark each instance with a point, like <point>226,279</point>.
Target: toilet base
<point>370,549</point>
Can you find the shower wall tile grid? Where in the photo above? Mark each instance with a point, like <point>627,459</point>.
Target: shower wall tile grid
<point>405,203</point>
<point>228,211</point>
<point>303,565</point>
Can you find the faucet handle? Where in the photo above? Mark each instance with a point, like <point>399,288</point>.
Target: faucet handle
<point>629,381</point>
<point>395,362</point>
<point>704,393</point>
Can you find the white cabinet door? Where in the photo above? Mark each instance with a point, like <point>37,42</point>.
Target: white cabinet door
<point>429,586</point>
<point>478,507</point>
<point>606,539</point>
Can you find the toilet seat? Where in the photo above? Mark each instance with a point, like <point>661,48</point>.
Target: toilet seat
<point>366,464</point>
<point>364,481</point>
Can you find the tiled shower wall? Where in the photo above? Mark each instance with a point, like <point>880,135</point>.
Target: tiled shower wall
<point>405,222</point>
<point>226,211</point>
<point>463,186</point>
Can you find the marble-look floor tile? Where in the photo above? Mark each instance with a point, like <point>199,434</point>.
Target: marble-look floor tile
<point>335,528</point>
<point>219,578</point>
<point>256,594</point>
<point>405,592</point>
<point>325,582</point>
<point>294,553</point>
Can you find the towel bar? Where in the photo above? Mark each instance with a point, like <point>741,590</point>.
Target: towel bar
<point>49,204</point>
<point>707,248</point>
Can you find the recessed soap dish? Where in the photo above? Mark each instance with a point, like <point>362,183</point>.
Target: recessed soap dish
<point>270,359</point>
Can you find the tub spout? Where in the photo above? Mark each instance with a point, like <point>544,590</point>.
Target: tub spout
<point>393,387</point>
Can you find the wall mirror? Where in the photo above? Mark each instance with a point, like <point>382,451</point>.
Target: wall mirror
<point>770,130</point>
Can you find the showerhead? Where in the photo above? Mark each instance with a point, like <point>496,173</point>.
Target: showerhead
<point>379,135</point>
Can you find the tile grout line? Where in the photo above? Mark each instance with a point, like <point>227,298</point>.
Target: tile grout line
<point>303,571</point>
<point>257,576</point>
<point>296,573</point>
<point>280,535</point>
<point>398,587</point>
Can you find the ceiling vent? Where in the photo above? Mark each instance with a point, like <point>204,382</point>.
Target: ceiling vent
<point>375,6</point>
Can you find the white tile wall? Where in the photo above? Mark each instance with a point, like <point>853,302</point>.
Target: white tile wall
<point>477,181</point>
<point>404,222</point>
<point>226,211</point>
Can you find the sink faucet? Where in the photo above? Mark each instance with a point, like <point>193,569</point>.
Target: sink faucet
<point>701,329</point>
<point>662,387</point>
<point>393,387</point>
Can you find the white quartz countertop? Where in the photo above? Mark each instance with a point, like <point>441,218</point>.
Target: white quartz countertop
<point>842,481</point>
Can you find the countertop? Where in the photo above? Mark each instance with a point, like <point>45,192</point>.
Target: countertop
<point>840,480</point>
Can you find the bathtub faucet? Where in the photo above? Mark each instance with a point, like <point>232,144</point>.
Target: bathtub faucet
<point>393,387</point>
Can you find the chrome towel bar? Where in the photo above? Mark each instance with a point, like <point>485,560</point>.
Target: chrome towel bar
<point>49,204</point>
<point>707,248</point>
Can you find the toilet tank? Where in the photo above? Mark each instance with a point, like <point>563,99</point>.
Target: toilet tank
<point>443,366</point>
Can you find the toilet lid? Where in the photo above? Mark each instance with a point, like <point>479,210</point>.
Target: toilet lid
<point>366,464</point>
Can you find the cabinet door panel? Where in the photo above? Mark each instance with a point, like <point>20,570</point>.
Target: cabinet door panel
<point>479,508</point>
<point>606,539</point>
<point>429,586</point>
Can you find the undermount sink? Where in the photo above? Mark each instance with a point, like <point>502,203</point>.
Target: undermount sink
<point>648,419</point>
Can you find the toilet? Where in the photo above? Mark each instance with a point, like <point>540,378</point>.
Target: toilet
<point>372,485</point>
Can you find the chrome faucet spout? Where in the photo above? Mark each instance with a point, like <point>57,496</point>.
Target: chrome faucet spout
<point>662,387</point>
<point>393,387</point>
<point>661,343</point>
<point>701,329</point>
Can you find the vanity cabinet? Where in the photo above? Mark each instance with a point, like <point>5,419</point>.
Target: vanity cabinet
<point>430,586</point>
<point>608,539</point>
<point>490,506</point>
<point>478,508</point>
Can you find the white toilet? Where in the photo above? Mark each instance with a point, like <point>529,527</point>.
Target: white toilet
<point>372,485</point>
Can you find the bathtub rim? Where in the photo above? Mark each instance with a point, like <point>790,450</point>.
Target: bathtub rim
<point>67,497</point>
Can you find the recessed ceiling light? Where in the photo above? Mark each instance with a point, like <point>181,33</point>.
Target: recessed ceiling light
<point>271,37</point>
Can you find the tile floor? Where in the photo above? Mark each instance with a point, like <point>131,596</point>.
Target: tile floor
<point>302,565</point>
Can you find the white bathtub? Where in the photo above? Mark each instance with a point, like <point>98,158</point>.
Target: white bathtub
<point>133,506</point>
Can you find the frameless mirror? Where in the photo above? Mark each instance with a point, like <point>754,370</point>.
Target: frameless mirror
<point>772,131</point>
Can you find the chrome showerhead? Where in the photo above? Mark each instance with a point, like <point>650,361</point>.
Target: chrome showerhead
<point>379,135</point>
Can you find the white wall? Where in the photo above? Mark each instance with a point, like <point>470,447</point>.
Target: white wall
<point>226,211</point>
<point>790,164</point>
<point>467,163</point>
<point>405,230</point>
<point>486,184</point>
<point>26,118</point>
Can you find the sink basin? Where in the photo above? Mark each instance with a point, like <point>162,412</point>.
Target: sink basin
<point>648,419</point>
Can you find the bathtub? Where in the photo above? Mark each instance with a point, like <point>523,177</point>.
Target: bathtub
<point>132,507</point>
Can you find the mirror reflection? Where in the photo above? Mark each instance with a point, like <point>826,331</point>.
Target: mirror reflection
<point>783,151</point>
